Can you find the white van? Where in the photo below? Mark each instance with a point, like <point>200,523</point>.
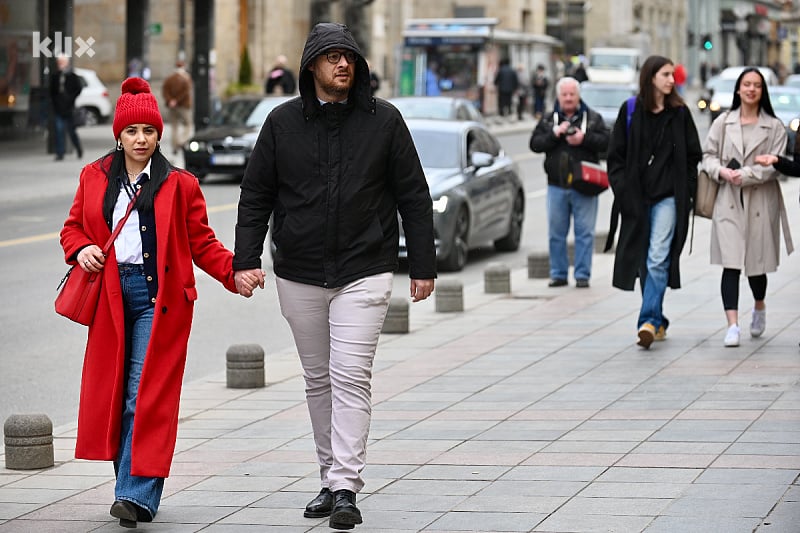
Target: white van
<point>613,65</point>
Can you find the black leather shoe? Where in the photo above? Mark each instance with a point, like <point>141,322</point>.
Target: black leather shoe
<point>125,511</point>
<point>321,505</point>
<point>345,514</point>
<point>582,283</point>
<point>557,282</point>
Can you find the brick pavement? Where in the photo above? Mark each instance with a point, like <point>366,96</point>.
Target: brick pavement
<point>533,411</point>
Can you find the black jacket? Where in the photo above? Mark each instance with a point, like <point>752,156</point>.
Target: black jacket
<point>333,179</point>
<point>63,96</point>
<point>544,140</point>
<point>626,162</point>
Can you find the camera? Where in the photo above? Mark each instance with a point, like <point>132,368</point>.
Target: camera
<point>571,130</point>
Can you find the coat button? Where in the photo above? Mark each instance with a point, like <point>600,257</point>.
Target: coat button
<point>164,309</point>
<point>153,300</point>
<point>149,278</point>
<point>146,255</point>
<point>144,228</point>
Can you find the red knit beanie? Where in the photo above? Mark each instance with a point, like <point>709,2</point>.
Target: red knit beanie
<point>137,105</point>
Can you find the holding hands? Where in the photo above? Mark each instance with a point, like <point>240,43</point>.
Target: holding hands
<point>247,281</point>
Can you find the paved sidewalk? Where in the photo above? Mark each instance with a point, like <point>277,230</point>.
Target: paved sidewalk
<point>533,411</point>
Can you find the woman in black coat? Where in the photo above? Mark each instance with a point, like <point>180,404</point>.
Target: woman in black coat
<point>652,169</point>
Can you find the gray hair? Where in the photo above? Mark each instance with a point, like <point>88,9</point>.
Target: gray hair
<point>565,80</point>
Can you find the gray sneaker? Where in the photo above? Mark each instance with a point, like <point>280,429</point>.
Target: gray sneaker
<point>758,322</point>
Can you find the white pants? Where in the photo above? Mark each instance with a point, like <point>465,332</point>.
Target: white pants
<point>336,333</point>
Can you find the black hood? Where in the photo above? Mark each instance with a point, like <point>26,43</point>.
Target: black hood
<point>324,36</point>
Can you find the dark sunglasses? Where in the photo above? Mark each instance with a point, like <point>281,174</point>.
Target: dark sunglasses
<point>336,56</point>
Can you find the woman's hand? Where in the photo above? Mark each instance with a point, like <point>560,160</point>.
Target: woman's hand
<point>91,258</point>
<point>766,159</point>
<point>730,175</point>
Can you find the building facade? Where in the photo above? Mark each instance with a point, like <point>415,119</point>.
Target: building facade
<point>212,34</point>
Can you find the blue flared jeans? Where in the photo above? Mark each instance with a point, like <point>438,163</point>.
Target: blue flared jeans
<point>142,491</point>
<point>654,273</point>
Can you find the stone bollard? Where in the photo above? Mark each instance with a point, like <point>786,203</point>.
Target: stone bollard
<point>245,366</point>
<point>29,442</point>
<point>449,296</point>
<point>538,265</point>
<point>497,279</point>
<point>396,316</point>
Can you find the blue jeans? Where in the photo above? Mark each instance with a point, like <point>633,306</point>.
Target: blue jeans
<point>563,204</point>
<point>65,125</point>
<point>143,491</point>
<point>653,275</point>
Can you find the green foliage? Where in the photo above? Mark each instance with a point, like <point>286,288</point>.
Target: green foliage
<point>245,69</point>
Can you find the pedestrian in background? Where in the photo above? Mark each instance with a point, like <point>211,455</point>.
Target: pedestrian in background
<point>280,79</point>
<point>522,92</point>
<point>177,91</point>
<point>136,348</point>
<point>374,81</point>
<point>507,83</point>
<point>573,133</point>
<point>65,86</point>
<point>336,244</point>
<point>652,169</point>
<point>540,83</point>
<point>749,209</point>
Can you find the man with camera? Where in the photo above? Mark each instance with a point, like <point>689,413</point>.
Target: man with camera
<point>571,134</point>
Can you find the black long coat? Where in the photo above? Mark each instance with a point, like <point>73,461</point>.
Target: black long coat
<point>626,161</point>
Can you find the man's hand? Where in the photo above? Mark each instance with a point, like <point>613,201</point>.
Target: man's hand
<point>576,138</point>
<point>247,281</point>
<point>421,289</point>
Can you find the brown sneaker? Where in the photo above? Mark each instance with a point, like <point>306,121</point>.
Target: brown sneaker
<point>661,333</point>
<point>647,334</point>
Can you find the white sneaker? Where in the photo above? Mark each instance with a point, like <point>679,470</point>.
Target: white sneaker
<point>732,336</point>
<point>758,323</point>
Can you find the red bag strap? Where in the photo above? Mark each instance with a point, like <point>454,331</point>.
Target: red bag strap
<point>121,223</point>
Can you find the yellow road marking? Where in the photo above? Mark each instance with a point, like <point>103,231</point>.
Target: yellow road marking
<point>28,240</point>
<point>54,235</point>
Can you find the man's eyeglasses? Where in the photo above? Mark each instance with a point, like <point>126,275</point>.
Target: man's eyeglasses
<point>336,56</point>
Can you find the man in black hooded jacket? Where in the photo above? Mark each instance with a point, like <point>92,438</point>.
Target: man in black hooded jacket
<point>333,167</point>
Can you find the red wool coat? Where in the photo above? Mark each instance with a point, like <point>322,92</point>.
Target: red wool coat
<point>183,236</point>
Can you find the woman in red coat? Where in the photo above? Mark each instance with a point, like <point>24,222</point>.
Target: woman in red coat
<point>136,349</point>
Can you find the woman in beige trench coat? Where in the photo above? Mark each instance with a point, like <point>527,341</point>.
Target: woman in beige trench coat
<point>749,209</point>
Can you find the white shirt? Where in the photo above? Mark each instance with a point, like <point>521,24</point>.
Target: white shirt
<point>128,244</point>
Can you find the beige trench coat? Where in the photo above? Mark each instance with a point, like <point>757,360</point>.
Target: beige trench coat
<point>745,231</point>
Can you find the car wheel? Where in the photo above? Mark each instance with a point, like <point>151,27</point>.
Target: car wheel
<point>92,116</point>
<point>459,248</point>
<point>510,243</point>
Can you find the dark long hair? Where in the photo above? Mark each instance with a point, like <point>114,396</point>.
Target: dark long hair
<point>114,165</point>
<point>765,104</point>
<point>647,93</point>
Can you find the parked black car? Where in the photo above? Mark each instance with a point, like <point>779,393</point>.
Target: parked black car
<point>224,147</point>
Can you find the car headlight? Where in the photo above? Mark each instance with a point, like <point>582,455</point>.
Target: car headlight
<point>440,205</point>
<point>714,106</point>
<point>794,124</point>
<point>196,146</point>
